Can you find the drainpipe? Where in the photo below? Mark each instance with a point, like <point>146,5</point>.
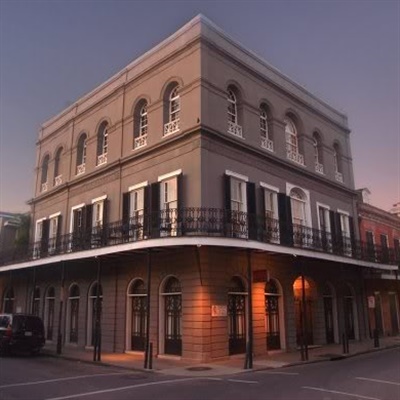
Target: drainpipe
<point>249,344</point>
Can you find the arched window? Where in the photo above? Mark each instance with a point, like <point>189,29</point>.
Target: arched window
<point>137,315</point>
<point>237,316</point>
<point>102,143</point>
<point>49,312</point>
<point>174,109</point>
<point>292,144</point>
<point>337,163</point>
<point>272,309</point>
<point>81,154</point>
<point>36,302</point>
<point>172,299</point>
<point>140,124</point>
<point>317,154</point>
<point>298,204</point>
<point>266,141</point>
<point>73,314</point>
<point>8,301</point>
<point>94,312</point>
<point>232,107</point>
<point>57,168</point>
<point>45,170</point>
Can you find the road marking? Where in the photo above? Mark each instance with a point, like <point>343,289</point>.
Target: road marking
<point>241,381</point>
<point>122,388</point>
<point>377,380</point>
<point>343,393</point>
<point>62,379</point>
<point>277,373</point>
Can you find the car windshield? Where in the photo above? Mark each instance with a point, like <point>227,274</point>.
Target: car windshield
<point>4,321</point>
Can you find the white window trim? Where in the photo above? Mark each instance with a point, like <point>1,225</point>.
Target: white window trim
<point>71,222</point>
<point>138,186</point>
<point>98,199</point>
<point>57,214</point>
<point>237,176</point>
<point>38,221</point>
<point>269,187</point>
<point>289,187</point>
<point>326,207</point>
<point>169,175</point>
<point>343,212</point>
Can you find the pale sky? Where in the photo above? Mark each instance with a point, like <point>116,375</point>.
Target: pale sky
<point>345,52</point>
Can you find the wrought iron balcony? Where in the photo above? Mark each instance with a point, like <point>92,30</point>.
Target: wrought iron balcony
<point>267,144</point>
<point>294,156</point>
<point>80,169</point>
<point>171,127</point>
<point>44,187</point>
<point>319,168</point>
<point>235,129</point>
<point>102,159</point>
<point>203,222</point>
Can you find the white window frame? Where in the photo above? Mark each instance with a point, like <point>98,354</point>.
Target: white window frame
<point>232,108</point>
<point>174,104</point>
<point>74,208</point>
<point>136,215</point>
<point>326,209</point>
<point>143,121</point>
<point>275,211</point>
<point>308,215</point>
<point>53,229</point>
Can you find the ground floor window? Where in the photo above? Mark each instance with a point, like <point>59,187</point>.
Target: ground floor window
<point>237,316</point>
<point>349,313</point>
<point>73,314</point>
<point>49,312</point>
<point>329,314</point>
<point>394,312</point>
<point>137,315</point>
<point>272,298</point>
<point>93,312</point>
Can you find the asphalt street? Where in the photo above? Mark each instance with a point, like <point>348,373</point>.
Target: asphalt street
<point>373,376</point>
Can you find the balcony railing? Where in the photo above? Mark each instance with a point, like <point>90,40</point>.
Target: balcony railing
<point>58,180</point>
<point>339,176</point>
<point>235,129</point>
<point>267,144</point>
<point>80,169</point>
<point>140,141</point>
<point>319,168</point>
<point>203,222</point>
<point>44,187</point>
<point>171,127</point>
<point>294,156</point>
<point>102,159</point>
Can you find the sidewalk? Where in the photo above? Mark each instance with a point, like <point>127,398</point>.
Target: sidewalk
<point>233,365</point>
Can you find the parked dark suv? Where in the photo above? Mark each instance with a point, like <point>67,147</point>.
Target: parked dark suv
<point>21,332</point>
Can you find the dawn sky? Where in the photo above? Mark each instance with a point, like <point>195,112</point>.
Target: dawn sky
<point>345,52</point>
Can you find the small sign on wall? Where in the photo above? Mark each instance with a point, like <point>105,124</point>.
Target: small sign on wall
<point>219,311</point>
<point>371,301</point>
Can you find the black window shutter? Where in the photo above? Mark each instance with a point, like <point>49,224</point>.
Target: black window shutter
<point>87,217</point>
<point>126,205</point>
<point>146,205</point>
<point>75,227</point>
<point>251,210</point>
<point>285,220</point>
<point>332,221</point>
<point>339,235</point>
<point>227,204</point>
<point>106,205</point>
<point>59,230</point>
<point>44,243</point>
<point>155,210</point>
<point>99,144</point>
<point>352,235</point>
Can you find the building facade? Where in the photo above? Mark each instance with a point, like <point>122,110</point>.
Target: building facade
<point>196,200</point>
<point>381,232</point>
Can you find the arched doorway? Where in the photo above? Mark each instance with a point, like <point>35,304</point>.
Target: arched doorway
<point>272,318</point>
<point>92,312</point>
<point>73,314</point>
<point>137,315</point>
<point>237,316</point>
<point>49,312</point>
<point>172,298</point>
<point>329,314</point>
<point>349,312</point>
<point>303,311</point>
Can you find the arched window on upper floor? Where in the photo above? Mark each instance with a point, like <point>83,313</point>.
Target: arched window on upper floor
<point>58,168</point>
<point>298,201</point>
<point>81,154</point>
<point>45,171</point>
<point>233,117</point>
<point>102,143</point>
<point>319,167</point>
<point>173,109</point>
<point>337,165</point>
<point>266,139</point>
<point>292,143</point>
<point>140,125</point>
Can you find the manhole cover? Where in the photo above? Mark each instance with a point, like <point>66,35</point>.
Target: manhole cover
<point>198,368</point>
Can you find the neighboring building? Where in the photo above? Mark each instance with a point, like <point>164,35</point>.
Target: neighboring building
<point>204,178</point>
<point>9,224</point>
<point>380,230</point>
